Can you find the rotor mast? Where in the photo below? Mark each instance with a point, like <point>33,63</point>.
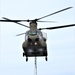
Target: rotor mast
<point>33,26</point>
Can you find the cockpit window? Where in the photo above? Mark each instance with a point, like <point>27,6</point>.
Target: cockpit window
<point>32,33</point>
<point>44,35</point>
<point>37,32</point>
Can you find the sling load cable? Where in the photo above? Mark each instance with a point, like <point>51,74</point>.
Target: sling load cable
<point>35,71</point>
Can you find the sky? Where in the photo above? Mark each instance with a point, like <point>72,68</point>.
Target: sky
<point>60,42</point>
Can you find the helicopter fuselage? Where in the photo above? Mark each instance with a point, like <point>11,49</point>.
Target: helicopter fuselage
<point>35,44</point>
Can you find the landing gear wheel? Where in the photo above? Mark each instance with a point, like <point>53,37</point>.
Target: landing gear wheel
<point>26,59</point>
<point>46,58</point>
<point>23,54</point>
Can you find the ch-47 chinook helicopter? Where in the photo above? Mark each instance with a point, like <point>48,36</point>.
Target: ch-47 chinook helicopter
<point>35,43</point>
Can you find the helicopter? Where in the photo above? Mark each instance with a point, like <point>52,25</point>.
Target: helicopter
<point>35,42</point>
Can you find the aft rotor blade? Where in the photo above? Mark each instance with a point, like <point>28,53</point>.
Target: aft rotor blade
<point>55,13</point>
<point>57,27</point>
<point>8,20</point>
<point>20,34</point>
<point>48,21</point>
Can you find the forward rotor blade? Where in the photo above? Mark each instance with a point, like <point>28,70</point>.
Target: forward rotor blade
<point>20,34</point>
<point>8,20</point>
<point>48,21</point>
<point>4,21</point>
<point>55,13</point>
<point>57,27</point>
<point>12,20</point>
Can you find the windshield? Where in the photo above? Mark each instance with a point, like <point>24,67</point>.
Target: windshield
<point>29,33</point>
<point>32,33</point>
<point>37,32</point>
